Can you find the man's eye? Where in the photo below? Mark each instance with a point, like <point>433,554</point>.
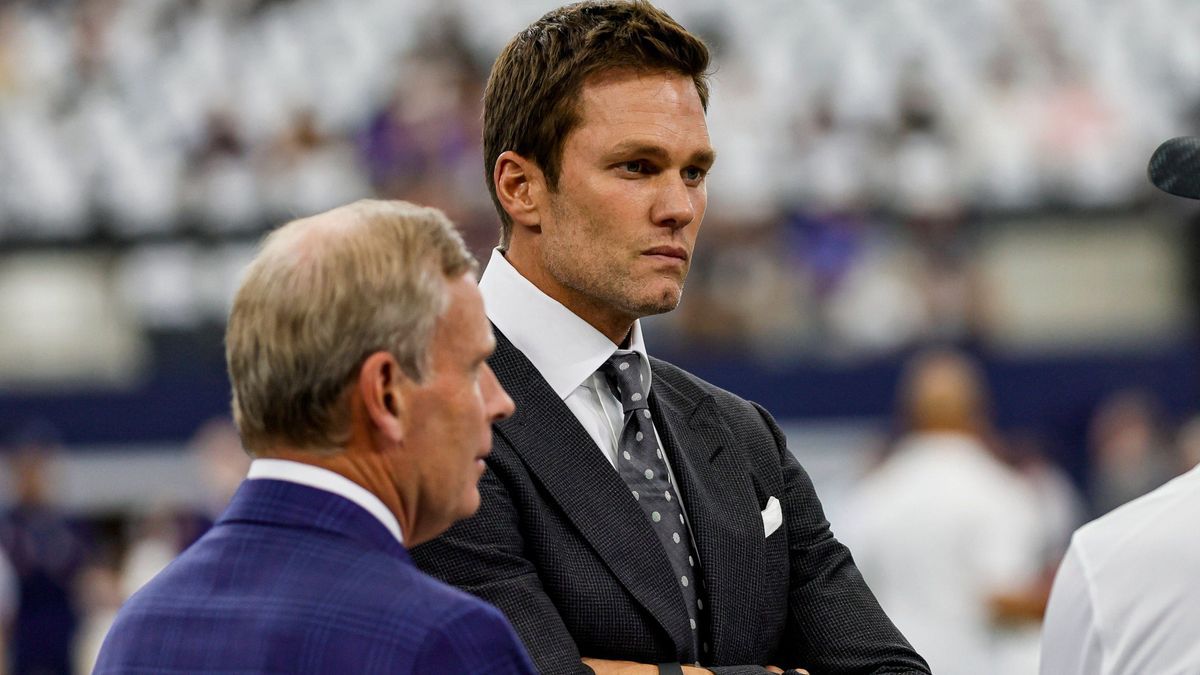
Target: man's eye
<point>693,173</point>
<point>635,166</point>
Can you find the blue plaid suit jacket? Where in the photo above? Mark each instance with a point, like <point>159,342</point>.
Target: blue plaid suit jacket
<point>292,579</point>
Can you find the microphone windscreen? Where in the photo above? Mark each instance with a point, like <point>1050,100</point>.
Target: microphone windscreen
<point>1175,167</point>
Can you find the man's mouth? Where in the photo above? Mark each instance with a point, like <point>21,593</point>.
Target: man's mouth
<point>674,252</point>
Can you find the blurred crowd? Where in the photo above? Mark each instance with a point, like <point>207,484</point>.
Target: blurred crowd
<point>64,574</point>
<point>862,143</point>
<point>132,118</point>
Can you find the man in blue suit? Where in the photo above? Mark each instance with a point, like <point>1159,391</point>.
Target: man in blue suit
<point>357,349</point>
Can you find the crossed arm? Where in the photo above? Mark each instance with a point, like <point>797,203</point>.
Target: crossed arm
<point>485,555</point>
<point>834,624</point>
<point>606,667</point>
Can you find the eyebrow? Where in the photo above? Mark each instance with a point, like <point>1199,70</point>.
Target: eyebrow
<point>705,157</point>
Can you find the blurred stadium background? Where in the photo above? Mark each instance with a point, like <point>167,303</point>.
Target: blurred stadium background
<point>893,174</point>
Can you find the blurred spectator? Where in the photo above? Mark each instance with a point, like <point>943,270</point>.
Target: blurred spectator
<point>878,307</point>
<point>8,607</point>
<point>426,131</point>
<point>947,279</point>
<point>1187,443</point>
<point>1128,450</point>
<point>155,537</point>
<point>99,599</point>
<point>154,540</point>
<point>9,30</point>
<point>225,192</point>
<point>943,531</point>
<point>46,553</point>
<point>1000,150</point>
<point>925,177</point>
<point>1086,145</point>
<point>744,295</point>
<point>827,160</point>
<point>309,171</point>
<point>1058,503</point>
<point>1059,509</point>
<point>221,463</point>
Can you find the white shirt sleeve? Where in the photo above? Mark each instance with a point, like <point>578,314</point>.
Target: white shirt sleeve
<point>1070,637</point>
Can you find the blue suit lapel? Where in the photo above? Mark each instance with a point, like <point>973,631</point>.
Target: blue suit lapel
<point>721,504</point>
<point>565,460</point>
<point>284,504</point>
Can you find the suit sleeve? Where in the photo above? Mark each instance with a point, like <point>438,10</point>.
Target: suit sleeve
<point>484,555</point>
<point>478,642</point>
<point>835,624</point>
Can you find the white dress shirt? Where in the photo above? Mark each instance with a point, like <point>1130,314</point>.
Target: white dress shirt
<point>324,479</point>
<point>1127,596</point>
<point>566,350</point>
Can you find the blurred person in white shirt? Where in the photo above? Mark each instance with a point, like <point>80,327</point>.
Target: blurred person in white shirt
<point>1187,444</point>
<point>1130,454</point>
<point>944,532</point>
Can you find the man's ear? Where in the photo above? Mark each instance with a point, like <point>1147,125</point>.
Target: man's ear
<point>519,186</point>
<point>380,386</point>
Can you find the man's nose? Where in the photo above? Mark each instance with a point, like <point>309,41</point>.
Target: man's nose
<point>674,207</point>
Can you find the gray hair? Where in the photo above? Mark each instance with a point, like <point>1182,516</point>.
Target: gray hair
<point>322,295</point>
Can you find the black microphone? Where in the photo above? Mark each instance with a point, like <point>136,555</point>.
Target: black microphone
<point>1175,167</point>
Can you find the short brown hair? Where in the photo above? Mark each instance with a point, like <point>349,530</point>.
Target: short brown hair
<point>942,389</point>
<point>323,294</point>
<point>531,101</point>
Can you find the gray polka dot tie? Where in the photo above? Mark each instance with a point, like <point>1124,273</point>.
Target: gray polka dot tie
<point>642,464</point>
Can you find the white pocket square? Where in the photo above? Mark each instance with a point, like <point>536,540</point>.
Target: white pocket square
<point>772,517</point>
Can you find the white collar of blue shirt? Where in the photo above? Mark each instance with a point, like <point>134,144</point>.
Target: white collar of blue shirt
<point>324,479</point>
<point>564,348</point>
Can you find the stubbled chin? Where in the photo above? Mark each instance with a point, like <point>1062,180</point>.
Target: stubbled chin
<point>665,297</point>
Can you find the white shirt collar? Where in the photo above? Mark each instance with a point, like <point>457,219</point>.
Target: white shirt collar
<point>564,348</point>
<point>324,479</point>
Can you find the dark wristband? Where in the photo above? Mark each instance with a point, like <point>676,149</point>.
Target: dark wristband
<point>670,669</point>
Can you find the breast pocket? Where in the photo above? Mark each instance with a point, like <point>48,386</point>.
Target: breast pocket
<point>772,517</point>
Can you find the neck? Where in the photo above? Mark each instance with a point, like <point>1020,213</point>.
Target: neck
<point>613,324</point>
<point>364,469</point>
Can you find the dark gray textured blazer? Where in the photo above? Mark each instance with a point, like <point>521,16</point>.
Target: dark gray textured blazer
<point>563,549</point>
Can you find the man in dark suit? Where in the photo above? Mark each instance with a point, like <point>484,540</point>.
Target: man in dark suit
<point>632,514</point>
<point>357,349</point>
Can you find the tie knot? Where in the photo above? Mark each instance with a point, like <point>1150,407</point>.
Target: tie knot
<point>622,370</point>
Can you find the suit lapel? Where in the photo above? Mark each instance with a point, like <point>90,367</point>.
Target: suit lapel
<point>720,501</point>
<point>574,472</point>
